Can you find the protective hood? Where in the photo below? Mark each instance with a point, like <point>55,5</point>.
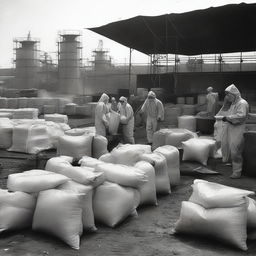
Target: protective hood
<point>152,94</point>
<point>233,90</point>
<point>122,98</point>
<point>103,97</point>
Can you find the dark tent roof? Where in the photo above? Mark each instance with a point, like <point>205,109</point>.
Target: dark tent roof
<point>228,28</point>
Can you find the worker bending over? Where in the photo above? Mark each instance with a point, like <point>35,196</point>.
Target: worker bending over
<point>233,133</point>
<point>155,112</point>
<point>211,102</point>
<point>126,120</point>
<point>101,110</point>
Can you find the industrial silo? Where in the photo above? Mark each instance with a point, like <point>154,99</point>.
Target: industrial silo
<point>70,62</point>
<point>26,62</point>
<point>102,60</point>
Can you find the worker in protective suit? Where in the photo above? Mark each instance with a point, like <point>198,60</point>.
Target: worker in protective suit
<point>233,133</point>
<point>114,104</point>
<point>126,120</point>
<point>211,102</point>
<point>101,110</point>
<point>155,112</point>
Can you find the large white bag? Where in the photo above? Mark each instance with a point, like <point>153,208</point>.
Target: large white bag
<point>84,175</point>
<point>196,150</point>
<point>251,213</point>
<point>159,138</point>
<point>160,165</point>
<point>57,118</point>
<point>88,215</point>
<point>113,120</point>
<point>123,175</point>
<point>129,154</point>
<point>172,156</point>
<point>76,146</point>
<point>148,190</point>
<point>16,210</point>
<point>176,136</point>
<point>212,195</point>
<point>34,181</point>
<point>225,224</point>
<point>99,146</point>
<point>213,145</point>
<point>30,139</point>
<point>113,203</point>
<point>89,161</point>
<point>107,158</point>
<point>59,213</point>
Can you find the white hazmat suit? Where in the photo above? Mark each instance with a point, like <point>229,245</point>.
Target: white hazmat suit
<point>212,102</point>
<point>101,110</point>
<point>233,133</point>
<point>155,112</point>
<point>127,120</point>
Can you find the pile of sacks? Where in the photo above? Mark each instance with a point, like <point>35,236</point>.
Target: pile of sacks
<point>30,135</point>
<point>221,212</point>
<point>64,200</point>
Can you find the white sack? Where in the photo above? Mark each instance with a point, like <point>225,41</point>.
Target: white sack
<point>213,146</point>
<point>16,210</point>
<point>159,163</point>
<point>75,146</point>
<point>34,181</point>
<point>176,136</point>
<point>251,213</point>
<point>88,215</point>
<point>159,138</point>
<point>172,157</point>
<point>57,118</point>
<point>129,154</point>
<point>99,146</point>
<point>113,120</point>
<point>59,213</point>
<point>212,195</point>
<point>187,122</point>
<point>225,224</point>
<point>25,113</point>
<point>84,175</point>
<point>113,203</point>
<point>89,161</point>
<point>148,190</point>
<point>107,158</point>
<point>196,150</point>
<point>123,175</point>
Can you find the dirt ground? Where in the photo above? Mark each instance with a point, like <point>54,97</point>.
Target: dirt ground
<point>149,234</point>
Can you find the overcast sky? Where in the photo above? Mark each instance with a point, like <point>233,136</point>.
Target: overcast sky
<point>44,18</point>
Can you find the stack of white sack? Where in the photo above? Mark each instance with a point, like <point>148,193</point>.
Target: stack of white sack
<point>89,161</point>
<point>172,156</point>
<point>75,146</point>
<point>33,137</point>
<point>173,137</point>
<point>57,118</point>
<point>158,161</point>
<point>25,113</point>
<point>6,128</point>
<point>217,211</point>
<point>198,150</point>
<point>84,175</point>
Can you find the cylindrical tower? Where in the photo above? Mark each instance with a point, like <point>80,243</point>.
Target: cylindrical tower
<point>26,62</point>
<point>70,62</point>
<point>102,61</point>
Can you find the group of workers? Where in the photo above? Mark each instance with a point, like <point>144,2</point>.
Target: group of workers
<point>152,107</point>
<point>234,113</point>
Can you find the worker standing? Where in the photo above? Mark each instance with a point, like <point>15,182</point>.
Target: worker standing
<point>126,120</point>
<point>101,110</point>
<point>211,102</point>
<point>155,112</point>
<point>233,135</point>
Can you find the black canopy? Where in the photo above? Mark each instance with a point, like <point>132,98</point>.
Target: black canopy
<point>228,28</point>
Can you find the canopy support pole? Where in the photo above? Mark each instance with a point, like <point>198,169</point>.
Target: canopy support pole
<point>130,69</point>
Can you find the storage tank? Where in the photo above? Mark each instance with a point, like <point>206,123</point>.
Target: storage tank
<point>70,62</point>
<point>26,62</point>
